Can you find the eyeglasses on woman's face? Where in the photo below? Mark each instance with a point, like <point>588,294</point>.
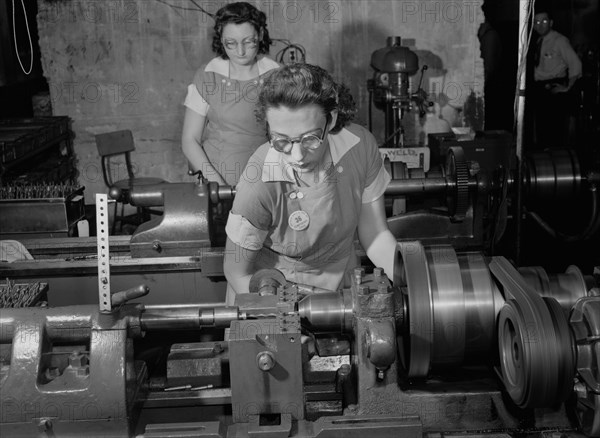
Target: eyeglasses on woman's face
<point>309,141</point>
<point>247,43</point>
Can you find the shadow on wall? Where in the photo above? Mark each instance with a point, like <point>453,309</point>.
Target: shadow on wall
<point>458,103</point>
<point>359,40</point>
<point>441,115</point>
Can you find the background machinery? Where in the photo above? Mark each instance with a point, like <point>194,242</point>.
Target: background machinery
<point>390,91</point>
<point>467,198</point>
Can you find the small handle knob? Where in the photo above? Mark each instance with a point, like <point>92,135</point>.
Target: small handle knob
<point>129,294</point>
<point>265,360</point>
<point>115,193</point>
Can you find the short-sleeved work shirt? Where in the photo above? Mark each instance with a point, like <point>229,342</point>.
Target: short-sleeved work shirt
<point>268,199</point>
<point>232,133</point>
<point>557,59</point>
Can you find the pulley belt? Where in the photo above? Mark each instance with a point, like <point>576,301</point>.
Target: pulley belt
<point>537,355</point>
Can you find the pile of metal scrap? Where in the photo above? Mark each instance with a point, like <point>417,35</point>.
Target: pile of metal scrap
<point>22,294</point>
<point>15,190</point>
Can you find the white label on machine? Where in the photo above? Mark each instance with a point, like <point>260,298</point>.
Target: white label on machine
<point>103,253</point>
<point>414,158</point>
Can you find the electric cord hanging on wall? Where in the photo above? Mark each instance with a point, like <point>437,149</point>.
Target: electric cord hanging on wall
<point>293,52</point>
<point>197,7</point>
<point>590,230</point>
<point>28,35</point>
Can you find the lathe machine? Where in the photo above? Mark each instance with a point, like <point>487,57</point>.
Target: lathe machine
<point>458,345</point>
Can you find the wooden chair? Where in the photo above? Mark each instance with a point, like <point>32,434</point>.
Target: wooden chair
<point>111,145</point>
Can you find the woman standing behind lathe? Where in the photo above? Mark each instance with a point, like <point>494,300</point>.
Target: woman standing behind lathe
<point>220,130</point>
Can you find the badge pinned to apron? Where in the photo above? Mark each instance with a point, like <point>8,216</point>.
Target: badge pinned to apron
<point>299,220</point>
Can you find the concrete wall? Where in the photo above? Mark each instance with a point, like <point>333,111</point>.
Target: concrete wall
<point>120,64</point>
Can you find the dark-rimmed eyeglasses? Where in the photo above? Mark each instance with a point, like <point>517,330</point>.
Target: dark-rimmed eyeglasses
<point>247,43</point>
<point>309,142</point>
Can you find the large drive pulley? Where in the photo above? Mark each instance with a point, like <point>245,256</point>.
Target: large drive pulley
<point>536,351</point>
<point>536,357</point>
<point>551,175</point>
<point>455,305</point>
<point>452,304</point>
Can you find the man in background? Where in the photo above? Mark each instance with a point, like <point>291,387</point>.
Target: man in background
<point>556,70</point>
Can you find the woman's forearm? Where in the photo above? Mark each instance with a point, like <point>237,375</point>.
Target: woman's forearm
<point>198,160</point>
<point>375,236</point>
<point>382,252</point>
<point>194,153</point>
<point>191,145</point>
<point>240,285</point>
<point>238,266</point>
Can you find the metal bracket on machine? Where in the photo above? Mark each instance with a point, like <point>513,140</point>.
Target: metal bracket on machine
<point>585,321</point>
<point>102,244</point>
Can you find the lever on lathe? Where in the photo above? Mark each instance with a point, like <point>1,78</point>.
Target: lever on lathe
<point>196,172</point>
<point>122,297</point>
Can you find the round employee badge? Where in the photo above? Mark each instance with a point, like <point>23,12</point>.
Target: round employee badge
<point>299,220</point>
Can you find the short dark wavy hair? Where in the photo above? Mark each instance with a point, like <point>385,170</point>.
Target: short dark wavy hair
<point>543,9</point>
<point>238,13</point>
<point>297,85</point>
